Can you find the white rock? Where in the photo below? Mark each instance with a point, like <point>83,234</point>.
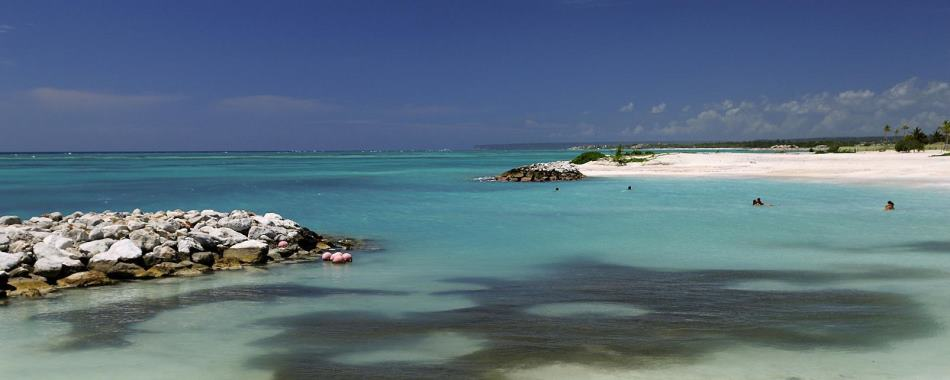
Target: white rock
<point>122,250</point>
<point>43,250</point>
<point>93,248</point>
<point>226,236</point>
<point>166,225</point>
<point>135,225</point>
<point>9,220</point>
<point>188,245</point>
<point>60,242</point>
<point>9,260</point>
<point>115,231</point>
<point>241,225</point>
<point>146,239</point>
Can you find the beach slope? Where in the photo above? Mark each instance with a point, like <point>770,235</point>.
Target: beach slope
<point>923,169</point>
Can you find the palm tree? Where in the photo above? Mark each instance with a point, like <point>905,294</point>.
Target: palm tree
<point>887,129</point>
<point>904,129</point>
<point>946,133</point>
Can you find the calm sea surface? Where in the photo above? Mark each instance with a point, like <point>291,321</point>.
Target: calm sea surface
<point>679,278</point>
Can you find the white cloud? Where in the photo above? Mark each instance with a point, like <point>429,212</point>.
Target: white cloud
<point>274,103</point>
<point>626,107</point>
<point>634,131</point>
<point>847,113</point>
<point>77,99</point>
<point>4,28</point>
<point>659,108</point>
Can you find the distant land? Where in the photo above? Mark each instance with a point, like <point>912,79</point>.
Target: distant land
<point>761,143</point>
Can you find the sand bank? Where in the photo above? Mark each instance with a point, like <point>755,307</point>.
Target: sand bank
<point>882,168</point>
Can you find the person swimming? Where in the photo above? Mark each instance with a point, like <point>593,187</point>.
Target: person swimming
<point>758,202</point>
<point>889,206</point>
<point>557,189</point>
<point>629,187</point>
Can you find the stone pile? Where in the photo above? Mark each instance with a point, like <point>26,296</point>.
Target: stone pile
<point>542,172</point>
<point>53,251</point>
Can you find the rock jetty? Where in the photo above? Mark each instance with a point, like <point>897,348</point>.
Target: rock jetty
<point>53,251</point>
<point>542,172</point>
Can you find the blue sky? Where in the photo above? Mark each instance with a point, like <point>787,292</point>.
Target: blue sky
<point>212,75</point>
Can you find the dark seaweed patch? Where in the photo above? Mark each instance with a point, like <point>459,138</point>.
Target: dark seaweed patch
<point>692,313</point>
<point>109,324</point>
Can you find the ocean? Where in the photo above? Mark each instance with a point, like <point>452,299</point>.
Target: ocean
<point>675,279</point>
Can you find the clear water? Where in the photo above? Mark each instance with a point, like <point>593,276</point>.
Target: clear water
<point>678,278</point>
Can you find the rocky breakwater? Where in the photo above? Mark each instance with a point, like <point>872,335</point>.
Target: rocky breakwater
<point>53,251</point>
<point>542,172</point>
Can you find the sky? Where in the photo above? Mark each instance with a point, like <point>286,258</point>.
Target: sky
<point>338,75</point>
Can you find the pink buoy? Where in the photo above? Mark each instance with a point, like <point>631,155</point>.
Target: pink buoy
<point>326,256</point>
<point>282,244</point>
<point>337,258</point>
<point>347,257</point>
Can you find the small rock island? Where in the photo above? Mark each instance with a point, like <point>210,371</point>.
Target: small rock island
<point>542,172</point>
<point>45,253</point>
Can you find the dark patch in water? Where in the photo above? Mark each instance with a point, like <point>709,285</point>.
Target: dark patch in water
<point>923,246</point>
<point>692,313</point>
<point>108,325</point>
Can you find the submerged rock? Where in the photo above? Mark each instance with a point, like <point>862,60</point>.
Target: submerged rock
<point>85,279</point>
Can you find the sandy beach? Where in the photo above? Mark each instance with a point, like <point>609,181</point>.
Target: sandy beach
<point>883,168</point>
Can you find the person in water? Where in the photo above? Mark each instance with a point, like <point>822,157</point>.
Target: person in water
<point>889,206</point>
<point>629,187</point>
<point>758,202</point>
<point>557,189</point>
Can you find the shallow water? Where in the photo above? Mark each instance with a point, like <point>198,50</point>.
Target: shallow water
<point>679,278</point>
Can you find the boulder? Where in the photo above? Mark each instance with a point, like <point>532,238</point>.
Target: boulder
<point>121,270</point>
<point>242,225</point>
<point>145,239</point>
<point>248,252</point>
<point>85,279</point>
<point>9,220</point>
<point>160,255</point>
<point>206,258</point>
<point>203,239</point>
<point>55,216</point>
<point>77,234</point>
<point>41,222</point>
<point>8,261</point>
<point>266,232</point>
<point>122,250</point>
<point>23,270</point>
<point>115,231</point>
<point>135,225</point>
<point>170,225</point>
<point>95,247</point>
<point>226,236</point>
<point>33,286</point>
<point>227,263</point>
<point>58,241</point>
<point>188,245</point>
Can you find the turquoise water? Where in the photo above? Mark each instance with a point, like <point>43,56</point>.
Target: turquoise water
<point>679,278</point>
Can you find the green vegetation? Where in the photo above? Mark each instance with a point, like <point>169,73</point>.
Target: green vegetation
<point>909,143</point>
<point>586,157</point>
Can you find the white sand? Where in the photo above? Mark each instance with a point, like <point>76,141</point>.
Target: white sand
<point>882,168</point>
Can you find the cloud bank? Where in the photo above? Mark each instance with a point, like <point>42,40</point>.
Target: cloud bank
<point>859,112</point>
